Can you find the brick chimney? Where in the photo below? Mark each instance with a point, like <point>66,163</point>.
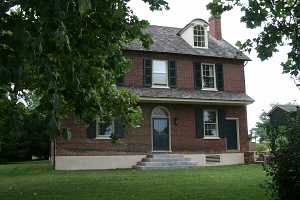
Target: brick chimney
<point>215,27</point>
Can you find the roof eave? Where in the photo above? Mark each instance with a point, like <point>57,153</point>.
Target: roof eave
<point>193,101</point>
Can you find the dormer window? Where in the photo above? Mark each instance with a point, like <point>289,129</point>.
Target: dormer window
<point>195,33</point>
<point>199,36</point>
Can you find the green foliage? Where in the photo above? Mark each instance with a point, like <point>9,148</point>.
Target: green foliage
<point>262,147</point>
<point>260,129</point>
<point>280,23</point>
<point>69,53</point>
<point>284,165</point>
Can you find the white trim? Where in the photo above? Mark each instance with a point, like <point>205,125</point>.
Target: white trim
<point>237,132</point>
<point>215,77</point>
<point>200,101</point>
<point>151,124</point>
<point>217,124</point>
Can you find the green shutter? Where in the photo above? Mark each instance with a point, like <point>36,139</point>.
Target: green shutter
<point>197,76</point>
<point>147,72</point>
<point>172,73</point>
<point>91,130</point>
<point>220,77</point>
<point>221,123</point>
<point>199,123</point>
<point>118,128</point>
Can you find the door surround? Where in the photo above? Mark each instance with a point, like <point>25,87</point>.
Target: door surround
<point>237,121</point>
<point>151,125</point>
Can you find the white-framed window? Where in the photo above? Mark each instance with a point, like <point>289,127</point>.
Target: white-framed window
<point>199,36</point>
<point>210,120</point>
<point>159,73</point>
<point>208,76</point>
<point>104,130</point>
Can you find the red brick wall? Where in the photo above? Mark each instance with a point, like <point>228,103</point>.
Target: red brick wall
<point>138,140</point>
<point>233,70</point>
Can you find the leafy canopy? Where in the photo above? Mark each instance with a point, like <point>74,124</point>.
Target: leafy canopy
<point>69,53</point>
<point>280,21</point>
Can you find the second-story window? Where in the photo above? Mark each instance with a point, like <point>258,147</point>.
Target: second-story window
<point>208,76</point>
<point>159,73</point>
<point>199,36</point>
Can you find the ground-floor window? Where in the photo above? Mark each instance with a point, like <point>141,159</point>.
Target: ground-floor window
<point>210,123</point>
<point>104,129</point>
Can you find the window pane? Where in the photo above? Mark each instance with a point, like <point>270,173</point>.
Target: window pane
<point>160,73</point>
<point>105,129</point>
<point>199,36</point>
<point>210,130</point>
<point>210,116</point>
<point>208,73</point>
<point>159,66</point>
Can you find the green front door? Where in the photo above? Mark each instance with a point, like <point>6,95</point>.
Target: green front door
<point>160,127</point>
<point>231,135</point>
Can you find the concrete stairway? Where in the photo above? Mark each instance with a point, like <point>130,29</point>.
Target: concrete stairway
<point>165,161</point>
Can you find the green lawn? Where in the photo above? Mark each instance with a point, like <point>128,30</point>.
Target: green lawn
<point>34,180</point>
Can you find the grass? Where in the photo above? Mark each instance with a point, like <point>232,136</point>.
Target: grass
<point>35,180</point>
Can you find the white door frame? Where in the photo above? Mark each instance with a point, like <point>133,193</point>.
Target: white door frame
<point>237,120</point>
<point>151,124</point>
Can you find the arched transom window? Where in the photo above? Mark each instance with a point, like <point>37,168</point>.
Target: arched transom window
<point>199,36</point>
<point>159,112</point>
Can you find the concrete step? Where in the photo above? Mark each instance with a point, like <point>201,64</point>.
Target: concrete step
<point>165,155</point>
<point>140,167</point>
<point>170,164</point>
<point>166,159</point>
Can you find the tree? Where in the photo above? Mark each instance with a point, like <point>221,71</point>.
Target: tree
<point>69,53</point>
<point>279,20</point>
<point>284,165</point>
<point>260,129</point>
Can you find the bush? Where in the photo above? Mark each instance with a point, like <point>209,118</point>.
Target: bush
<point>262,147</point>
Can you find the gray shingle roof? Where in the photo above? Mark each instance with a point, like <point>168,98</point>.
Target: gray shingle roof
<point>190,94</point>
<point>288,107</point>
<point>165,39</point>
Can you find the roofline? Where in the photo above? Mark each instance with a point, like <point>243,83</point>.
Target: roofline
<point>279,106</point>
<point>150,51</point>
<point>193,101</point>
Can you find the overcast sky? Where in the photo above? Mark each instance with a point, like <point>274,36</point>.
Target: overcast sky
<point>264,80</point>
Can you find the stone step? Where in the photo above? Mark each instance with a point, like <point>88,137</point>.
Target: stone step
<point>141,167</point>
<point>171,164</point>
<point>166,159</point>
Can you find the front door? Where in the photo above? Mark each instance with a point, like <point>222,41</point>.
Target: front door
<point>231,135</point>
<point>160,134</point>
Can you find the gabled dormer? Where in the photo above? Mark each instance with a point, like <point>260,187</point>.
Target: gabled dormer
<point>195,33</point>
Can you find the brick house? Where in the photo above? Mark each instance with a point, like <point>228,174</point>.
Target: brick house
<point>191,86</point>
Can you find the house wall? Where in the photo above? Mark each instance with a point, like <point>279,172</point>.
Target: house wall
<point>234,80</point>
<point>138,140</point>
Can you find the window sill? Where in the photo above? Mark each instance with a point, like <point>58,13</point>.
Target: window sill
<point>103,138</point>
<point>210,89</point>
<point>211,138</point>
<point>165,87</point>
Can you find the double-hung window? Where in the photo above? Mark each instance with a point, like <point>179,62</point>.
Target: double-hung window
<point>104,129</point>
<point>199,36</point>
<point>210,123</point>
<point>159,73</point>
<point>208,76</point>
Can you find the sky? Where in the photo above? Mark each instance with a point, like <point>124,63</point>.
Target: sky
<point>265,82</point>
